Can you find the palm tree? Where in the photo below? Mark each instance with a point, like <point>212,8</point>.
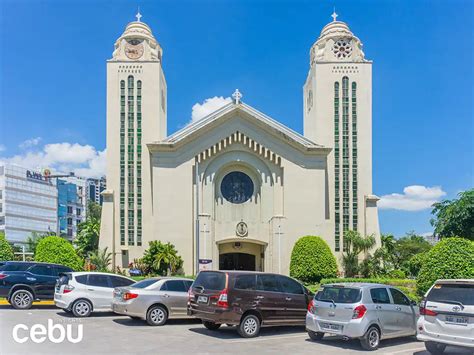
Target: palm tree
<point>355,244</point>
<point>169,256</point>
<point>101,259</point>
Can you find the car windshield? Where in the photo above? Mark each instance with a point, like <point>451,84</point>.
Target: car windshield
<point>452,294</point>
<point>210,280</point>
<point>15,267</point>
<point>338,294</point>
<point>144,283</point>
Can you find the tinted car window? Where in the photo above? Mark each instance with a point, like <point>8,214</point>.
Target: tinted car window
<point>268,283</point>
<point>290,286</point>
<point>453,293</point>
<point>188,284</point>
<point>246,282</point>
<point>120,281</point>
<point>211,280</point>
<point>14,267</point>
<point>174,286</point>
<point>379,295</point>
<point>62,269</point>
<point>145,283</point>
<point>82,279</point>
<point>43,270</point>
<point>339,294</point>
<point>98,280</point>
<point>399,298</point>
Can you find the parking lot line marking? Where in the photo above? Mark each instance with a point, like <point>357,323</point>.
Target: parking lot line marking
<point>268,338</point>
<point>405,351</point>
<point>44,303</point>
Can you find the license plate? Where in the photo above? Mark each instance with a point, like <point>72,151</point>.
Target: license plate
<point>457,320</point>
<point>329,326</point>
<point>202,299</point>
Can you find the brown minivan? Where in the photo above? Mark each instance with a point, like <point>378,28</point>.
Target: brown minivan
<point>248,300</point>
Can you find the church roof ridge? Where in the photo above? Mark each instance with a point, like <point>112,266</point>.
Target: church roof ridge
<point>197,125</point>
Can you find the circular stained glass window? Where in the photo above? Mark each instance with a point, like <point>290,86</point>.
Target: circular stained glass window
<point>237,187</point>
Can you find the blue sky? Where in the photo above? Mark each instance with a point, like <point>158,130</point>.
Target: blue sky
<point>52,89</point>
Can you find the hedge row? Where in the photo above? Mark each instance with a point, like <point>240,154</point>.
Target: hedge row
<point>392,282</point>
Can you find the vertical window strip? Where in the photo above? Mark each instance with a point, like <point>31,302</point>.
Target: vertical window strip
<point>354,158</point>
<point>139,163</point>
<point>130,163</point>
<point>345,157</point>
<point>336,169</point>
<point>122,162</point>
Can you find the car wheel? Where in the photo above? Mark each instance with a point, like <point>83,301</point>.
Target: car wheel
<point>21,299</point>
<point>156,316</point>
<point>315,335</point>
<point>435,348</point>
<point>371,340</point>
<point>249,326</point>
<point>81,308</point>
<point>211,325</point>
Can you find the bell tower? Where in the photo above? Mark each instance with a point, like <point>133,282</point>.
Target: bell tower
<point>136,115</point>
<point>338,114</point>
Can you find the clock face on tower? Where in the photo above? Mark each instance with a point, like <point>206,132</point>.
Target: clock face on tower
<point>134,48</point>
<point>342,48</point>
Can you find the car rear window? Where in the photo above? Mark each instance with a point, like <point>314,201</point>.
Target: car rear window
<point>339,294</point>
<point>15,267</point>
<point>144,283</point>
<point>210,280</point>
<point>447,293</point>
<point>64,279</point>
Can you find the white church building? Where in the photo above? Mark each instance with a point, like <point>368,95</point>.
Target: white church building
<point>237,189</point>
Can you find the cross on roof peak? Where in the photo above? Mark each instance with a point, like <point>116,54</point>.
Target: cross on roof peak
<point>237,96</point>
<point>334,15</point>
<point>138,15</point>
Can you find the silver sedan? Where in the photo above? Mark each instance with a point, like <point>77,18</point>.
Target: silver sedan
<point>154,300</point>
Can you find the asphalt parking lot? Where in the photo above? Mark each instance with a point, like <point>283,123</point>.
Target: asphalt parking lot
<point>107,333</point>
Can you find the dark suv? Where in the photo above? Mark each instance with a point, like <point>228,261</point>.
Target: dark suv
<point>248,300</point>
<point>23,282</point>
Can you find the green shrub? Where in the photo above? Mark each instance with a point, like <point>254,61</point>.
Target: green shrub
<point>161,259</point>
<point>451,258</point>
<point>6,251</point>
<point>59,251</point>
<point>397,274</point>
<point>312,260</point>
<point>415,263</point>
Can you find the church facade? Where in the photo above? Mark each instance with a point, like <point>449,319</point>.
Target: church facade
<point>236,189</point>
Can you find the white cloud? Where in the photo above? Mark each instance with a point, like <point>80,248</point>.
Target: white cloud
<point>414,198</point>
<point>208,106</point>
<point>83,160</point>
<point>29,143</point>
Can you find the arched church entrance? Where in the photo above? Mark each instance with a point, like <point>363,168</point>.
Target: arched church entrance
<point>240,255</point>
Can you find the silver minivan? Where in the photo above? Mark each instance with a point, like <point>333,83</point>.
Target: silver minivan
<point>366,311</point>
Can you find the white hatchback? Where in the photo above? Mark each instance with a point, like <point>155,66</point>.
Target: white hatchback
<point>84,292</point>
<point>447,315</point>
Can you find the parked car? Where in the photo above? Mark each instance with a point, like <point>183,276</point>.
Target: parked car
<point>369,312</point>
<point>21,282</point>
<point>248,300</point>
<point>154,300</point>
<point>85,292</point>
<point>447,315</point>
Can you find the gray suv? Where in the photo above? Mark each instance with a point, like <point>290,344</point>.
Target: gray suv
<point>369,312</point>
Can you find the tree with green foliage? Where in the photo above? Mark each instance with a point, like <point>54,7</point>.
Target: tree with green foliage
<point>384,257</point>
<point>455,218</point>
<point>355,244</point>
<point>312,260</point>
<point>161,258</point>
<point>451,258</point>
<point>407,246</point>
<point>6,250</point>
<point>33,240</point>
<point>100,259</point>
<point>58,250</point>
<point>88,232</point>
<point>415,263</point>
